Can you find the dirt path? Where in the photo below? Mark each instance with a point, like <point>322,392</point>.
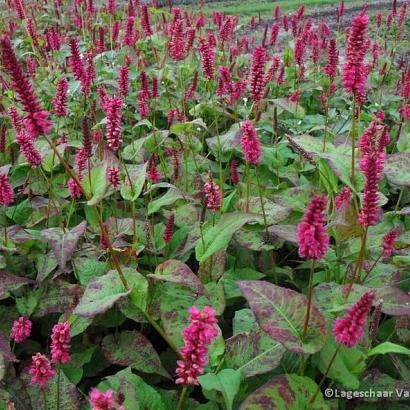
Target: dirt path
<point>328,14</point>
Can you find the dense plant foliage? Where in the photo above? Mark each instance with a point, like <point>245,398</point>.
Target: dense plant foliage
<point>201,212</point>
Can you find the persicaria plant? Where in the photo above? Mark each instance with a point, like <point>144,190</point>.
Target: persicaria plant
<point>201,210</point>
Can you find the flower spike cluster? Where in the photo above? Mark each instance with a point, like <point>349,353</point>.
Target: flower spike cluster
<point>349,329</point>
<point>311,232</point>
<point>41,370</point>
<point>60,343</point>
<point>21,329</point>
<point>197,337</point>
<point>251,145</point>
<point>36,118</point>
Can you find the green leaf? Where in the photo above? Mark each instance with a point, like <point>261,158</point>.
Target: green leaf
<point>219,236</point>
<point>137,176</point>
<point>226,381</point>
<point>281,313</point>
<point>285,392</point>
<point>397,169</point>
<point>63,244</point>
<point>9,282</point>
<point>286,105</point>
<point>88,269</point>
<point>253,353</point>
<point>138,395</point>
<point>100,295</point>
<point>388,347</point>
<point>133,349</point>
<point>98,184</point>
<point>347,366</point>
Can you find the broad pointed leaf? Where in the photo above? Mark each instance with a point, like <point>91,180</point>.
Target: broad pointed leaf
<point>133,349</point>
<point>226,381</point>
<point>9,282</point>
<point>63,244</point>
<point>253,353</point>
<point>100,295</point>
<point>219,236</point>
<point>281,313</point>
<point>177,272</point>
<point>285,392</point>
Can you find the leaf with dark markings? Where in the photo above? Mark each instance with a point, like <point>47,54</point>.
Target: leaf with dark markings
<point>9,282</point>
<point>281,313</point>
<point>253,353</point>
<point>131,348</point>
<point>100,295</point>
<point>5,350</point>
<point>178,272</point>
<point>285,392</point>
<point>63,243</point>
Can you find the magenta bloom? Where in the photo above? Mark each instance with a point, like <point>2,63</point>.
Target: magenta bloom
<point>6,191</point>
<point>372,146</point>
<point>344,197</point>
<point>332,60</point>
<point>250,143</point>
<point>213,195</point>
<point>234,172</point>
<point>405,112</point>
<point>169,229</point>
<point>123,81</point>
<point>21,329</point>
<point>15,119</point>
<point>153,174</point>
<point>36,119</point>
<point>224,81</point>
<point>27,148</point>
<point>144,19</point>
<point>349,329</point>
<point>197,337</point>
<point>312,236</point>
<point>60,343</point>
<point>129,35</point>
<point>113,176</point>
<point>60,99</point>
<point>112,108</point>
<point>143,103</point>
<point>259,58</point>
<point>102,401</point>
<point>41,370</point>
<point>177,42</point>
<point>388,242</point>
<point>274,34</point>
<point>354,71</point>
<point>76,62</point>
<point>207,53</point>
<point>74,189</point>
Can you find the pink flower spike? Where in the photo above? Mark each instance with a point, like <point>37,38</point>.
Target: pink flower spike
<point>60,343</point>
<point>102,401</point>
<point>349,329</point>
<point>41,370</point>
<point>197,337</point>
<point>6,191</point>
<point>250,143</point>
<point>344,197</point>
<point>213,195</point>
<point>312,236</point>
<point>21,329</point>
<point>388,242</point>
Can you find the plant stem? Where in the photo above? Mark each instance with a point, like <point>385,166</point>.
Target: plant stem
<point>370,270</point>
<point>359,263</point>
<point>353,137</point>
<point>248,185</point>
<point>58,384</point>
<point>265,221</point>
<point>182,398</point>
<point>309,304</point>
<point>158,328</point>
<point>312,400</point>
<point>44,399</point>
